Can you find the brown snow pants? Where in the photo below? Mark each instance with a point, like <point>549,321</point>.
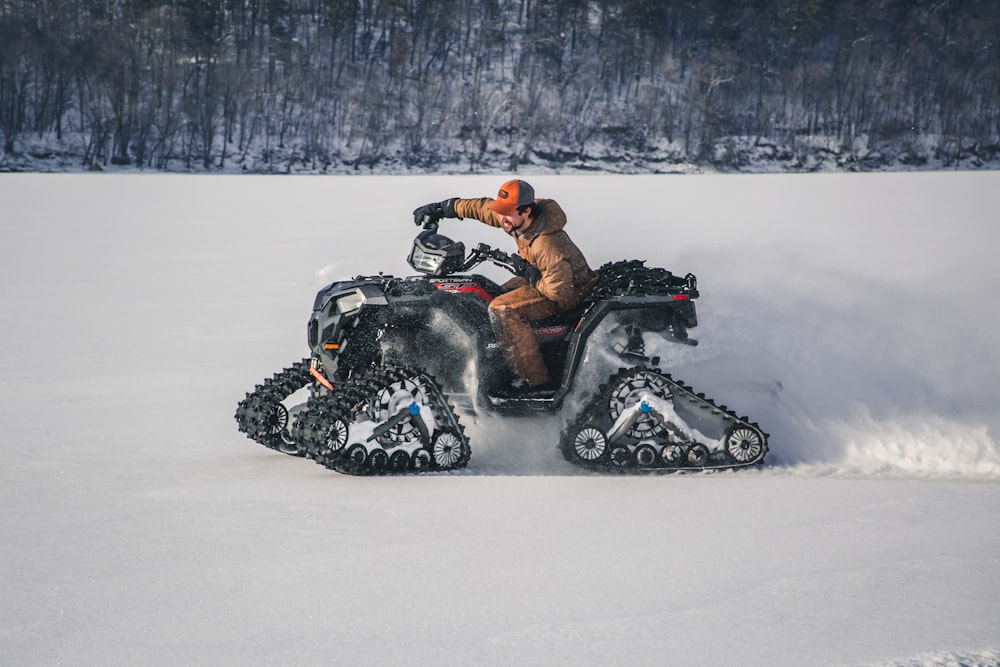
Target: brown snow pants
<point>511,314</point>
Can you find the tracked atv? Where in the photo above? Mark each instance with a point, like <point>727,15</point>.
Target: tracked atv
<point>395,361</point>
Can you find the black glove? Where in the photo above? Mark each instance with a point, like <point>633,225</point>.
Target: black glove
<point>429,214</point>
<point>525,270</point>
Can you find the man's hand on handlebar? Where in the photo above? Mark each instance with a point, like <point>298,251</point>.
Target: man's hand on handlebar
<point>525,270</point>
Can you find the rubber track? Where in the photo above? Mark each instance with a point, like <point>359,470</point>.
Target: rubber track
<point>597,411</point>
<point>252,413</point>
<point>352,398</point>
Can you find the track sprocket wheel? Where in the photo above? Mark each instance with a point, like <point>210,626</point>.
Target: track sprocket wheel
<point>630,392</point>
<point>390,400</point>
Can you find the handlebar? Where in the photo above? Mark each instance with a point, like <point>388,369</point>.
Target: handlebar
<point>483,253</point>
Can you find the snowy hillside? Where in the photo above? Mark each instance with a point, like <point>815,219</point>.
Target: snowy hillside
<point>472,86</point>
<point>853,316</point>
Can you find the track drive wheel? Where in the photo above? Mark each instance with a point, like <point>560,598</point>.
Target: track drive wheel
<point>630,391</point>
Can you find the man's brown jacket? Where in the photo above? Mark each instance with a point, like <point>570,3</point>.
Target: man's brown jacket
<point>566,276</point>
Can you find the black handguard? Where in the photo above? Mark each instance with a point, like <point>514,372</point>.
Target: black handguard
<point>428,215</point>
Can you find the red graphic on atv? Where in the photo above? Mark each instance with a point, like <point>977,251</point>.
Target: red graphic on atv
<point>464,287</point>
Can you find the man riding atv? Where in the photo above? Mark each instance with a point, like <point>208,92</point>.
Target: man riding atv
<point>555,276</point>
<point>395,361</point>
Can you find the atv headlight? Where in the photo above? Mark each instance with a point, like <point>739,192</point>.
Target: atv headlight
<point>425,262</point>
<point>436,255</point>
<point>350,302</point>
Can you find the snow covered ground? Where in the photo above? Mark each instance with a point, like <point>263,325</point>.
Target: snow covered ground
<point>854,316</point>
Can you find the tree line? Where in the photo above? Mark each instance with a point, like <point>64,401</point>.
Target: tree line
<point>413,84</point>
